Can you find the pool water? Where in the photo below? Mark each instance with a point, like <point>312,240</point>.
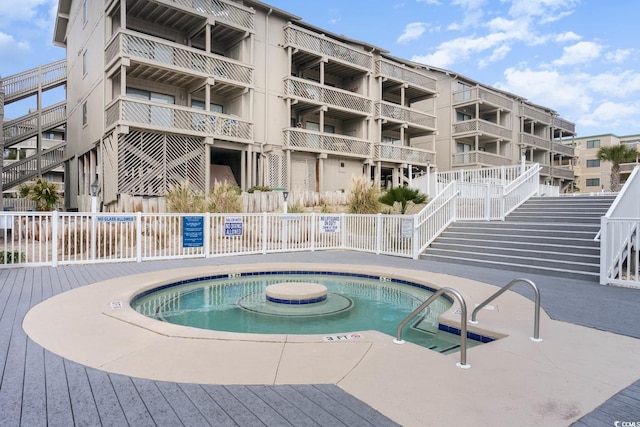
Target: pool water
<point>238,304</point>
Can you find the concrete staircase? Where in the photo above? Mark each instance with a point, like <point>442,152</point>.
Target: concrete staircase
<point>546,235</point>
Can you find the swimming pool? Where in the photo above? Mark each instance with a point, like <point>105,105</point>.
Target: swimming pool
<point>354,302</point>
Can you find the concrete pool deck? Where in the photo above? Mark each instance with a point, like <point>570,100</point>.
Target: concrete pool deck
<point>511,381</point>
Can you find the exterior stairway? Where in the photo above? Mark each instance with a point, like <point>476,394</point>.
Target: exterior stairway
<point>546,235</point>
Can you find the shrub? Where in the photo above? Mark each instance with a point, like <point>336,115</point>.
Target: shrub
<point>43,192</point>
<point>260,188</point>
<point>363,197</point>
<point>182,199</point>
<point>295,208</point>
<point>405,196</point>
<point>11,257</point>
<point>224,198</point>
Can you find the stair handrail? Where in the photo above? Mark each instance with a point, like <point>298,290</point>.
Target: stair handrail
<point>463,322</point>
<point>536,316</point>
<point>530,177</point>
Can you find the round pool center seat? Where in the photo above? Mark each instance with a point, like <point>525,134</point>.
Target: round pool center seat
<point>296,293</point>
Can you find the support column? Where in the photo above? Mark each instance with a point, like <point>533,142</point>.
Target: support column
<point>321,173</point>
<point>243,170</point>
<point>207,168</point>
<point>288,181</point>
<point>378,176</point>
<point>250,168</point>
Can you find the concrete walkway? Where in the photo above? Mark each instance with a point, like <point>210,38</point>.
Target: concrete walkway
<point>577,375</point>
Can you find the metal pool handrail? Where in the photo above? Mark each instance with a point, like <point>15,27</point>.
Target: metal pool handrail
<point>536,320</point>
<point>463,323</point>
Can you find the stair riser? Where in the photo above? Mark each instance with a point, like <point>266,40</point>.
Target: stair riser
<point>525,232</point>
<point>568,257</point>
<point>523,246</point>
<point>550,219</point>
<point>523,239</point>
<point>587,228</point>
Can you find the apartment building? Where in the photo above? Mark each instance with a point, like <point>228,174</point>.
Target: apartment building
<point>593,175</point>
<point>160,92</point>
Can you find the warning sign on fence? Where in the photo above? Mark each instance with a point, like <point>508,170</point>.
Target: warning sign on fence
<point>233,226</point>
<point>329,224</point>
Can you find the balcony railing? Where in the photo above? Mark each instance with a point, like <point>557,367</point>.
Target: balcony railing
<point>402,73</point>
<point>535,141</point>
<point>145,48</point>
<point>327,143</point>
<point>387,110</point>
<point>537,115</point>
<point>27,126</point>
<point>481,126</point>
<point>560,172</point>
<point>20,171</point>
<point>560,123</point>
<point>26,83</point>
<point>172,117</point>
<point>304,89</point>
<point>322,45</point>
<point>480,94</point>
<point>562,149</point>
<point>403,154</point>
<point>221,11</point>
<point>480,157</point>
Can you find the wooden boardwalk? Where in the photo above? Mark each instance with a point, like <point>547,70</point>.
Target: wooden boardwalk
<point>39,388</point>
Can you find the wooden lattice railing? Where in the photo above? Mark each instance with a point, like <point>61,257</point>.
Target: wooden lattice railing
<point>229,13</point>
<point>322,45</point>
<point>479,157</point>
<point>401,154</point>
<point>327,143</point>
<point>26,83</point>
<point>163,116</point>
<point>534,113</point>
<point>536,141</point>
<point>27,126</point>
<point>21,171</point>
<point>482,126</point>
<point>476,94</point>
<point>560,123</point>
<point>145,48</point>
<point>387,110</point>
<point>403,73</point>
<point>562,149</point>
<point>299,88</point>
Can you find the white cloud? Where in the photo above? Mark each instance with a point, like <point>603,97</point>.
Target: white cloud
<point>23,10</point>
<point>472,14</point>
<point>612,116</point>
<point>569,36</point>
<point>578,53</point>
<point>10,47</point>
<point>543,10</point>
<point>432,2</point>
<point>619,55</point>
<point>412,31</point>
<point>621,85</point>
<point>498,54</point>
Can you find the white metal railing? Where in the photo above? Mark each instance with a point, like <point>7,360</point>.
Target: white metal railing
<point>435,218</point>
<point>398,113</point>
<point>482,126</point>
<point>499,175</point>
<point>620,237</point>
<point>548,190</point>
<point>55,238</point>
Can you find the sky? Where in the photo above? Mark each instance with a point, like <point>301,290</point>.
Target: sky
<point>580,58</point>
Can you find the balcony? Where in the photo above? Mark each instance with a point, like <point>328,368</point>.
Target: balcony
<point>560,172</point>
<point>402,73</point>
<point>189,61</point>
<point>482,158</point>
<point>562,149</point>
<point>482,95</point>
<point>535,114</point>
<point>321,45</point>
<point>477,126</point>
<point>318,142</point>
<point>565,125</point>
<point>399,114</point>
<point>628,167</point>
<point>177,119</point>
<point>535,141</point>
<point>403,154</point>
<point>300,89</point>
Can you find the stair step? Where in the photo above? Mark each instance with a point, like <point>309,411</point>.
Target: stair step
<point>525,238</point>
<point>515,230</point>
<point>586,250</point>
<point>539,252</point>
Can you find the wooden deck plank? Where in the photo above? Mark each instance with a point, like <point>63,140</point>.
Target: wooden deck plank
<point>206,405</point>
<point>260,408</point>
<point>236,410</point>
<point>134,409</point>
<point>345,414</point>
<point>311,408</point>
<point>82,403</point>
<point>184,408</point>
<point>58,401</point>
<point>287,409</point>
<point>161,412</point>
<point>34,401</point>
<point>106,400</point>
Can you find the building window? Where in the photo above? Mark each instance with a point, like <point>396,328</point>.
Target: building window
<point>593,163</point>
<point>84,113</point>
<point>593,182</point>
<point>462,148</point>
<point>461,117</point>
<point>214,108</point>
<point>594,143</point>
<point>84,63</point>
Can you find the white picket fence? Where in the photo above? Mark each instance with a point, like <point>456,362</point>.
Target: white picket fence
<point>54,238</point>
<point>620,237</point>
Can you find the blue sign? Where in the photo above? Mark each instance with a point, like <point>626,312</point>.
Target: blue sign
<point>192,231</point>
<point>233,226</point>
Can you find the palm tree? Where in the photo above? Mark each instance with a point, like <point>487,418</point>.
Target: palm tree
<point>616,154</point>
<point>404,196</point>
<point>43,192</point>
